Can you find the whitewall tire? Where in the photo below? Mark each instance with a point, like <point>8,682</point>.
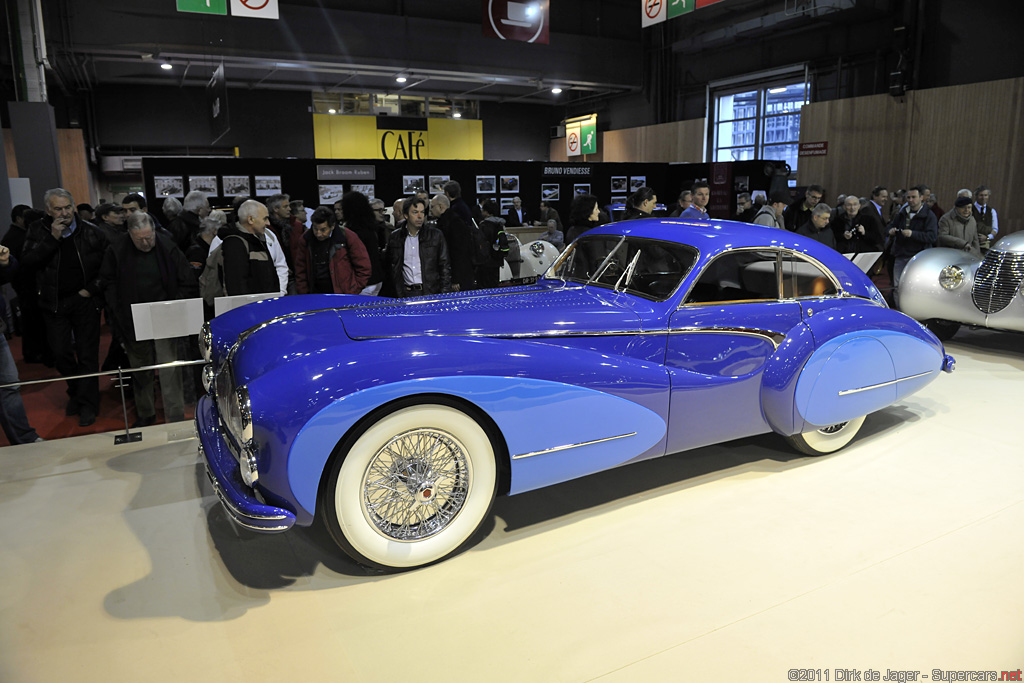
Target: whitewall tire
<point>413,488</point>
<point>827,439</point>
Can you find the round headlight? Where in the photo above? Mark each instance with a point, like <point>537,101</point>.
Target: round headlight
<point>951,277</point>
<point>537,248</point>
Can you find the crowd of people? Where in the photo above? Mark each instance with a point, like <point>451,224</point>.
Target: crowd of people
<point>71,265</point>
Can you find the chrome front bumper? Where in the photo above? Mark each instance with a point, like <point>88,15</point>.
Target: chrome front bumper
<point>239,500</point>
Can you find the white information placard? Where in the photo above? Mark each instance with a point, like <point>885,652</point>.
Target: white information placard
<point>167,319</point>
<point>223,304</point>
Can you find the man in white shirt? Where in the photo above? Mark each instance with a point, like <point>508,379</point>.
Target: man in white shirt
<point>986,217</point>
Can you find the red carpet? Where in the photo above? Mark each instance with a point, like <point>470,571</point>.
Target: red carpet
<point>45,403</point>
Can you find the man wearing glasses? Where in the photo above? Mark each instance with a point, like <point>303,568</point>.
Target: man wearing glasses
<point>799,212</point>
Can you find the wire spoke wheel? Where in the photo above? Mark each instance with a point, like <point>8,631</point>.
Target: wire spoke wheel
<point>413,488</point>
<point>416,484</point>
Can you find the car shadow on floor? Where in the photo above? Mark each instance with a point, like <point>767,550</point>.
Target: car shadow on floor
<point>276,561</point>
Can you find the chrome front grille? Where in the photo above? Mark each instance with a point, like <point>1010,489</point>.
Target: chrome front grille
<point>997,281</point>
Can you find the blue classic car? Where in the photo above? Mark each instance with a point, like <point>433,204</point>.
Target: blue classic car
<point>398,421</point>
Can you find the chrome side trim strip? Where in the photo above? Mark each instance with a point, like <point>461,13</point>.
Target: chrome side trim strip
<point>846,392</point>
<point>572,445</point>
<point>776,338</point>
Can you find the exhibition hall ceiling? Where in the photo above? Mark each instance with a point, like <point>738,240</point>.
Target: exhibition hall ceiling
<point>595,48</point>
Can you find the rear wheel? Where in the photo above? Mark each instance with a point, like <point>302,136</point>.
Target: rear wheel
<point>827,439</point>
<point>943,329</point>
<point>413,488</point>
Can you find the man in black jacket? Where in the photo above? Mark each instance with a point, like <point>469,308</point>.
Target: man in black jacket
<point>248,264</point>
<point>913,230</point>
<point>143,267</point>
<point>185,227</point>
<point>66,254</point>
<point>34,346</point>
<point>459,240</point>
<point>418,255</point>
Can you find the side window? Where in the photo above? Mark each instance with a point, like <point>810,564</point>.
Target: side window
<point>738,276</point>
<point>802,278</point>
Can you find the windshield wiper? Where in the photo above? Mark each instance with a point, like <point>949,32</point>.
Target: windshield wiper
<point>607,259</point>
<point>627,275</point>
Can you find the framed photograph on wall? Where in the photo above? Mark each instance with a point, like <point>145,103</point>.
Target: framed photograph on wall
<point>169,186</point>
<point>618,200</point>
<point>636,182</point>
<point>506,205</point>
<point>580,188</point>
<point>509,184</point>
<point>437,183</point>
<point>484,184</point>
<point>235,185</point>
<point>267,185</point>
<point>619,183</point>
<point>366,190</point>
<point>549,192</point>
<point>203,183</point>
<point>331,193</point>
<point>411,184</point>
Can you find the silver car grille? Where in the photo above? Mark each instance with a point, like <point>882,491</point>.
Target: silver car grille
<point>997,281</point>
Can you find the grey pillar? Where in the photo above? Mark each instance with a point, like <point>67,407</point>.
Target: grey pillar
<point>5,190</point>
<point>34,130</point>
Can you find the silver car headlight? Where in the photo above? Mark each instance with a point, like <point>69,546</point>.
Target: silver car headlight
<point>951,277</point>
<point>237,414</point>
<point>206,342</point>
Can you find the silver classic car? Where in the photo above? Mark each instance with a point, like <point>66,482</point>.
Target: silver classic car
<point>947,288</point>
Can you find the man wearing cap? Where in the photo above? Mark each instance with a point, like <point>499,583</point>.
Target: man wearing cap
<point>958,228</point>
<point>770,214</point>
<point>110,220</point>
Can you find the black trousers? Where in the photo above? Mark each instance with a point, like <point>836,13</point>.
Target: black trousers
<point>74,334</point>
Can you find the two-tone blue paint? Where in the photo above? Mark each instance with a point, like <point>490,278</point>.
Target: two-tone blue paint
<point>557,364</point>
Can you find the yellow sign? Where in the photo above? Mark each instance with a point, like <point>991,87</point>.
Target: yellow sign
<point>408,145</point>
<point>361,137</point>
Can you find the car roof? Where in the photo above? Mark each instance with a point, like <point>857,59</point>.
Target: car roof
<point>713,236</point>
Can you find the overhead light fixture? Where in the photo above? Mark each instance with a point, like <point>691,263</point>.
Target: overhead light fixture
<point>166,66</point>
<point>332,111</point>
<point>401,79</point>
<point>456,115</point>
<point>556,91</point>
<point>776,91</point>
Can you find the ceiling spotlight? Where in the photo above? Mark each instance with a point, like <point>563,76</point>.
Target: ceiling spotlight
<point>332,111</point>
<point>456,115</point>
<point>166,66</point>
<point>776,91</point>
<point>401,79</point>
<point>556,91</point>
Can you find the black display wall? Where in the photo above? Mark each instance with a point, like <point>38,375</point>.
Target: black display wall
<point>390,180</point>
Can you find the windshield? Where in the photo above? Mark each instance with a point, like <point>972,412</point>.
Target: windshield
<point>649,268</point>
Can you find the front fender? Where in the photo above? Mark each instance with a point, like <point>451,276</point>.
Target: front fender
<point>540,396</point>
<point>923,298</point>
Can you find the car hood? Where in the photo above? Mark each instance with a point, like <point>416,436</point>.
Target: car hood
<point>514,312</point>
<point>300,326</point>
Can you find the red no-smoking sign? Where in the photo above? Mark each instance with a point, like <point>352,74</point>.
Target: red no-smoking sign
<point>255,4</point>
<point>652,7</point>
<point>574,142</point>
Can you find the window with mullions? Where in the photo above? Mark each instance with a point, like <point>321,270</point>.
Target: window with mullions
<point>759,123</point>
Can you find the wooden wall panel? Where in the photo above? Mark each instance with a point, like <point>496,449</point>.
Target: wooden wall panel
<point>12,161</point>
<point>678,141</point>
<point>946,138</point>
<point>74,169</point>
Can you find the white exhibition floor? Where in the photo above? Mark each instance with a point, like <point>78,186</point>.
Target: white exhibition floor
<point>737,562</point>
